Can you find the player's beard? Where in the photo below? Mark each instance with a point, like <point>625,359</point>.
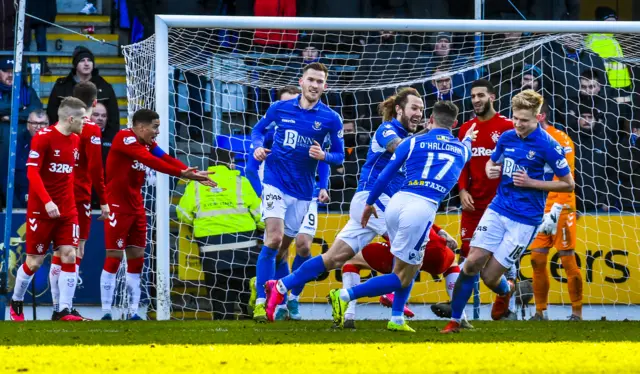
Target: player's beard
<point>485,109</point>
<point>406,123</point>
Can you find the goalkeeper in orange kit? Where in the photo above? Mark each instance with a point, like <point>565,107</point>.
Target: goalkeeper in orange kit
<point>558,230</point>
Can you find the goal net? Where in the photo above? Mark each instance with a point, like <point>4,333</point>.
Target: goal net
<point>222,80</point>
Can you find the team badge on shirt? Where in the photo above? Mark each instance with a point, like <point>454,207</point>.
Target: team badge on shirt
<point>317,125</point>
<point>495,136</point>
<point>531,155</point>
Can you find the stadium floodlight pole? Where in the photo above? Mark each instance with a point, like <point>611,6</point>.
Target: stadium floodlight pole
<point>163,295</point>
<point>13,137</point>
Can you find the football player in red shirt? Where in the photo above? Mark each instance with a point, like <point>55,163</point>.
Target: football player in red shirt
<point>476,189</point>
<point>88,173</point>
<point>132,151</point>
<point>51,210</point>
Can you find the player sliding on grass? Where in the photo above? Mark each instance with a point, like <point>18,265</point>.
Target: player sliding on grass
<point>439,258</point>
<point>289,309</point>
<point>433,162</point>
<point>52,216</point>
<point>290,170</point>
<point>132,151</point>
<point>402,114</point>
<point>526,160</point>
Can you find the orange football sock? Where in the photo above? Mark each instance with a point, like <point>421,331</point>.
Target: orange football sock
<point>540,280</point>
<point>574,281</point>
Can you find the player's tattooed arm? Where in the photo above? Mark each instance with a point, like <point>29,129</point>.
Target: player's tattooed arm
<point>393,144</point>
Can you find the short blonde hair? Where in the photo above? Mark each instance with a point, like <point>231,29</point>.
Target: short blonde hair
<point>71,107</point>
<point>527,100</point>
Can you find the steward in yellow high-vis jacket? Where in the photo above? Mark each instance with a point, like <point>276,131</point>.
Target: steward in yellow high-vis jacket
<point>224,221</point>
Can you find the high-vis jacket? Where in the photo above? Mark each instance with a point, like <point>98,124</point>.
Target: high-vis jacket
<point>231,207</point>
<point>606,46</point>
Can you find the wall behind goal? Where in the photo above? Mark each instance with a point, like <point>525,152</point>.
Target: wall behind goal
<point>608,254</point>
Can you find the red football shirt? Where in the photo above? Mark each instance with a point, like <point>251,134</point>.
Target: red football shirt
<point>50,172</point>
<point>89,171</point>
<point>126,166</point>
<point>473,177</point>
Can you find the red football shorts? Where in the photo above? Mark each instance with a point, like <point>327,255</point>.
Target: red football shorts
<point>84,219</point>
<point>468,223</point>
<point>125,230</point>
<point>437,257</point>
<point>42,232</point>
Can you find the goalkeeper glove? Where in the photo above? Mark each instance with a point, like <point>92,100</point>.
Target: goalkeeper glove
<point>549,224</point>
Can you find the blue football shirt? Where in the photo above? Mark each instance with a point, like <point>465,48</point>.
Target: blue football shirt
<point>433,163</point>
<point>541,157</point>
<point>378,157</point>
<point>289,167</point>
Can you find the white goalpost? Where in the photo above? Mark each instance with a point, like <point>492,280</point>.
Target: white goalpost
<point>236,73</point>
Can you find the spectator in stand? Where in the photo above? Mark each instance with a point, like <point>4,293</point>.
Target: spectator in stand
<point>29,101</point>
<point>224,221</point>
<point>618,74</point>
<point>46,10</point>
<point>595,186</point>
<point>593,94</point>
<point>562,66</point>
<point>37,121</point>
<point>553,10</point>
<point>100,117</point>
<point>441,88</point>
<point>84,70</point>
<point>445,54</point>
<point>530,79</point>
<point>310,54</point>
<point>344,178</point>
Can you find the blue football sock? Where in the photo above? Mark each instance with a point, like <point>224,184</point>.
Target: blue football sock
<point>265,269</point>
<point>282,270</point>
<point>400,298</point>
<point>376,286</point>
<point>461,293</point>
<point>307,272</point>
<point>297,262</point>
<point>503,287</point>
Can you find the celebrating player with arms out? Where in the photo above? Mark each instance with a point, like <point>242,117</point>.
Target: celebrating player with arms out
<point>439,258</point>
<point>51,210</point>
<point>525,159</point>
<point>433,163</point>
<point>307,232</point>
<point>558,230</point>
<point>88,172</point>
<point>476,190</point>
<point>402,114</point>
<point>302,124</point>
<point>132,151</point>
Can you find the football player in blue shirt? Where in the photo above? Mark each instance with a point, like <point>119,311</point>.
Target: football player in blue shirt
<point>402,114</point>
<point>433,163</point>
<point>526,160</point>
<point>307,232</point>
<point>302,124</point>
